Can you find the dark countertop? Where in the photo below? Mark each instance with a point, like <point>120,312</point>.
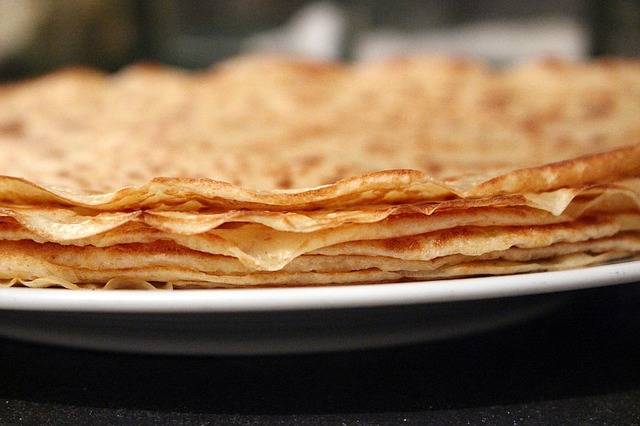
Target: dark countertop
<point>577,365</point>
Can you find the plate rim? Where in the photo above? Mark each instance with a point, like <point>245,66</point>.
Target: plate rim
<point>307,298</point>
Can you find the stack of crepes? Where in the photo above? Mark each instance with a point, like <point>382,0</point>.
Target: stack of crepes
<point>282,172</point>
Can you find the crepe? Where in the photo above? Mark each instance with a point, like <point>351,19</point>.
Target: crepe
<point>268,171</point>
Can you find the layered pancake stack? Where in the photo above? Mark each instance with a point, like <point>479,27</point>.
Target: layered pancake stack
<point>280,172</point>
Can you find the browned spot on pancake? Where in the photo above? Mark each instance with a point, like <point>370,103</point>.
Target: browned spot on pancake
<point>446,235</point>
<point>9,224</point>
<point>13,128</point>
<point>599,105</point>
<point>400,245</point>
<point>311,161</point>
<point>285,181</point>
<point>383,147</point>
<point>434,168</point>
<point>496,101</point>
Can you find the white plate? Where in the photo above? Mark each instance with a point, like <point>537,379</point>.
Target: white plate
<point>290,320</point>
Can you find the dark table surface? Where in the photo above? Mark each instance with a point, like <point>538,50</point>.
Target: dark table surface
<point>577,365</point>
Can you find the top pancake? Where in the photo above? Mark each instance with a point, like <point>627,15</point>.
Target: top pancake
<point>259,131</point>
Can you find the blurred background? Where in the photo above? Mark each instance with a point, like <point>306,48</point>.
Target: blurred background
<point>37,36</point>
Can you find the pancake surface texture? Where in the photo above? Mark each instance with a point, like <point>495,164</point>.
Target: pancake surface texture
<point>267,171</point>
